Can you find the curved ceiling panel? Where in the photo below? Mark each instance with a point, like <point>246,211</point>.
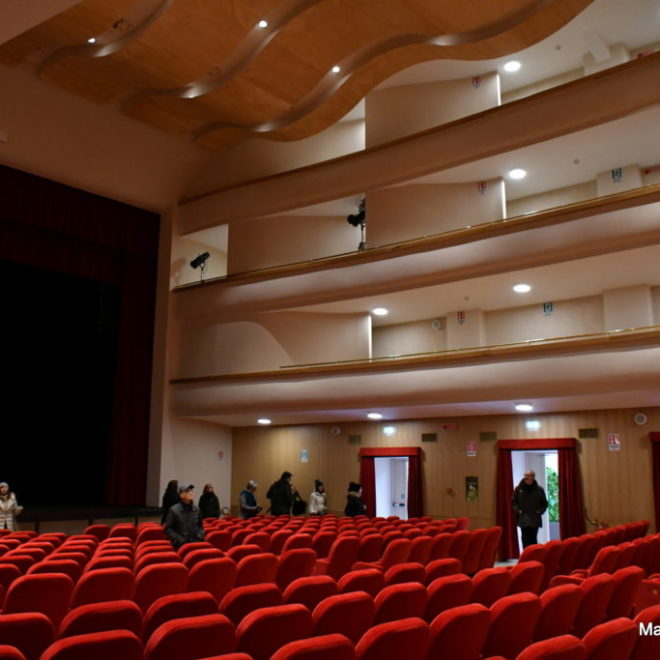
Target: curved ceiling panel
<point>207,69</point>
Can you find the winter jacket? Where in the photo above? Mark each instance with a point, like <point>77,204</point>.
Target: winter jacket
<point>209,505</point>
<point>248,504</point>
<point>354,505</point>
<point>184,524</point>
<point>9,509</point>
<point>529,503</point>
<point>170,498</point>
<point>281,498</point>
<point>317,505</point>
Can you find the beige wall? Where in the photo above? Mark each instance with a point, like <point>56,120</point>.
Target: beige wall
<point>257,157</point>
<point>445,463</point>
<point>397,111</point>
<point>631,179</point>
<point>407,338</point>
<point>628,307</point>
<point>288,239</point>
<point>184,250</point>
<point>580,316</point>
<point>413,211</point>
<point>269,341</point>
<point>551,199</point>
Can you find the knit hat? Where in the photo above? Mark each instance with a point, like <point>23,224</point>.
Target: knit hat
<point>317,483</point>
<point>354,487</point>
<point>183,489</point>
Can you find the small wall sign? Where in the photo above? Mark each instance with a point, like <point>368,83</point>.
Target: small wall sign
<point>613,442</point>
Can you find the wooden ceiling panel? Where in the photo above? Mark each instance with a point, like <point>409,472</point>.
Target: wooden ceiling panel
<point>200,66</point>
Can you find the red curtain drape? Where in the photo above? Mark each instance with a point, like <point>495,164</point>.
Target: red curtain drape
<point>571,502</point>
<point>59,228</point>
<point>655,440</point>
<point>368,477</point>
<point>368,481</point>
<point>509,542</point>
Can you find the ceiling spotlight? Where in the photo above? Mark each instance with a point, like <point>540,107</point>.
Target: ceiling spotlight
<point>374,415</point>
<point>512,66</point>
<point>335,69</point>
<point>522,288</point>
<point>262,24</point>
<point>264,420</point>
<point>91,40</point>
<point>517,173</point>
<point>380,311</point>
<point>524,407</point>
<point>200,262</point>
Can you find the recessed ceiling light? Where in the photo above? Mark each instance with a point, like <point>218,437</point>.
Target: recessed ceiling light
<point>264,420</point>
<point>512,66</point>
<point>524,407</point>
<point>335,69</point>
<point>517,173</point>
<point>522,288</point>
<point>374,415</point>
<point>380,311</point>
<point>532,425</point>
<point>91,40</point>
<point>262,24</point>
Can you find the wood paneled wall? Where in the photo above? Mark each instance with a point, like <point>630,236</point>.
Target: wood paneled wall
<point>617,484</point>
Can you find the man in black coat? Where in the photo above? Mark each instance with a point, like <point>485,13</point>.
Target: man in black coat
<point>184,520</point>
<point>529,503</point>
<point>280,495</point>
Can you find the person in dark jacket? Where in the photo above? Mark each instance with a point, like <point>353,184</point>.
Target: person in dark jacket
<point>529,503</point>
<point>209,504</point>
<point>184,520</point>
<point>248,502</point>
<point>354,505</point>
<point>170,498</point>
<point>280,495</point>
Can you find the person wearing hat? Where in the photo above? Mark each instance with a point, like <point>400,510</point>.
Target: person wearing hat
<point>317,504</point>
<point>184,520</point>
<point>170,498</point>
<point>248,502</point>
<point>9,507</point>
<point>354,505</point>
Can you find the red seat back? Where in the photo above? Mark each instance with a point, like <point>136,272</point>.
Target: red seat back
<point>294,564</point>
<point>217,576</point>
<point>564,647</point>
<point>102,585</point>
<point>447,592</point>
<point>310,591</point>
<point>370,580</point>
<point>178,606</point>
<point>526,576</point>
<point>559,605</point>
<point>406,572</point>
<point>596,593</point>
<point>626,584</point>
<point>108,645</point>
<point>490,584</point>
<point>513,623</point>
<point>350,614</point>
<point>98,617</point>
<point>472,558</point>
<point>159,580</point>
<point>404,638</point>
<point>242,600</point>
<point>255,569</point>
<point>48,593</point>
<point>324,647</point>
<point>612,640</point>
<point>30,632</point>
<point>393,601</point>
<point>460,633</point>
<point>647,644</point>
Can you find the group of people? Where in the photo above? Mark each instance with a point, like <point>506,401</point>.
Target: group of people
<point>182,519</point>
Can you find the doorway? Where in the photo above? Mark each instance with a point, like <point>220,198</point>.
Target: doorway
<point>391,476</point>
<point>544,462</point>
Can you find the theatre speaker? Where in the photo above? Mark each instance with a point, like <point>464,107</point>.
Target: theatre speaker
<point>640,419</point>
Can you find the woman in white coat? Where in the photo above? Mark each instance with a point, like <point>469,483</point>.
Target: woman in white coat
<point>9,508</point>
<point>317,505</point>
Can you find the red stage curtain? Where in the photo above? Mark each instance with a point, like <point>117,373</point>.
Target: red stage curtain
<point>368,481</point>
<point>571,502</point>
<point>368,477</point>
<point>509,542</point>
<point>655,439</point>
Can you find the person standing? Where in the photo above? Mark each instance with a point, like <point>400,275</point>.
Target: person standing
<point>354,504</point>
<point>248,502</point>
<point>209,504</point>
<point>280,495</point>
<point>529,503</point>
<point>317,502</point>
<point>170,498</point>
<point>9,508</point>
<point>184,520</point>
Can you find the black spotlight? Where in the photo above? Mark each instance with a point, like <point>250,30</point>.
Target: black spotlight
<point>200,262</point>
<point>359,219</point>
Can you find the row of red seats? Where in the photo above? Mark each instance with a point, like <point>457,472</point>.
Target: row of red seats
<point>340,626</point>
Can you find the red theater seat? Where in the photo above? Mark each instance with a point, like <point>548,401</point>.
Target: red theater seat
<point>370,580</point>
<point>30,632</point>
<point>341,557</point>
<point>396,600</point>
<point>310,591</point>
<point>648,645</point>
<point>48,593</point>
<point>460,633</point>
<point>103,584</point>
<point>513,623</point>
<point>490,584</point>
<point>201,554</point>
<point>98,617</point>
<point>442,567</point>
<point>159,580</point>
<point>350,614</point>
<point>405,638</point>
<point>264,631</point>
<point>596,594</point>
<point>472,559</point>
<point>191,637</point>
<point>109,645</point>
<point>10,653</point>
<point>447,592</point>
<point>526,576</point>
<point>406,572</point>
<point>242,600</point>
<point>626,584</point>
<point>564,647</point>
<point>613,640</point>
<point>178,606</point>
<point>294,564</point>
<point>559,605</point>
<point>217,576</point>
<point>325,647</point>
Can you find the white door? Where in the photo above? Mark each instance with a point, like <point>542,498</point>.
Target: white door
<point>391,486</point>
